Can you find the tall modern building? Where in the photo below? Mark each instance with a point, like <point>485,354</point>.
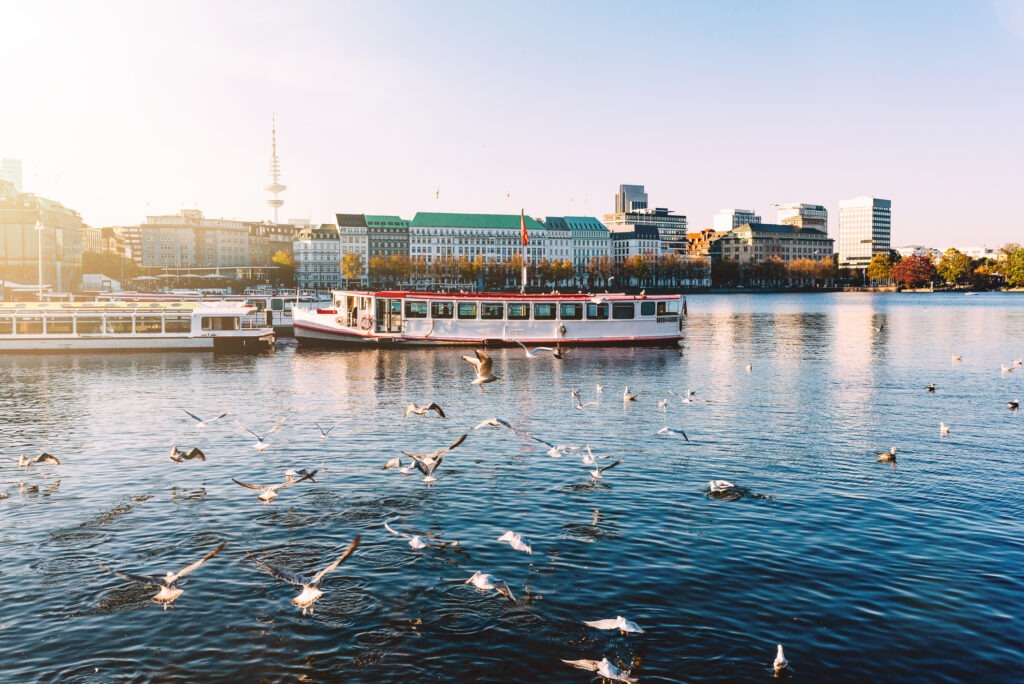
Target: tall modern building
<point>57,246</point>
<point>630,198</point>
<point>10,171</point>
<point>803,216</point>
<point>865,225</point>
<point>728,219</point>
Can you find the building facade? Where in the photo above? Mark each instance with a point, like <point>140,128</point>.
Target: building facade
<point>630,198</point>
<point>189,240</point>
<point>698,245</point>
<point>671,228</point>
<point>318,254</point>
<point>590,239</point>
<point>803,216</point>
<point>58,244</point>
<point>491,236</point>
<point>865,228</point>
<point>386,236</point>
<point>728,219</point>
<point>754,243</point>
<point>642,241</point>
<point>10,171</point>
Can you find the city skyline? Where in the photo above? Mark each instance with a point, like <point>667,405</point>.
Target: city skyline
<point>399,108</point>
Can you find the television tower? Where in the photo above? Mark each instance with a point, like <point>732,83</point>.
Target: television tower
<point>274,187</point>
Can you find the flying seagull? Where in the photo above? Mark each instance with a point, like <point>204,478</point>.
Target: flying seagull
<point>41,458</point>
<point>531,353</point>
<point>295,474</point>
<point>484,368</point>
<point>429,458</point>
<point>580,405</point>
<point>663,405</point>
<point>179,456</point>
<point>428,469</point>
<point>324,432</point>
<point>261,440</point>
<point>603,668</point>
<point>203,422</point>
<point>597,472</point>
<point>168,591</point>
<point>517,542</point>
<point>269,492</point>
<point>402,468</point>
<point>672,431</point>
<point>310,585</point>
<point>495,422</point>
<point>620,623</point>
<point>422,410</point>
<point>416,541</point>
<point>485,582</point>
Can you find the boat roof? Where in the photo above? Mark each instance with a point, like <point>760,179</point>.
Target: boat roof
<point>123,307</point>
<point>514,296</point>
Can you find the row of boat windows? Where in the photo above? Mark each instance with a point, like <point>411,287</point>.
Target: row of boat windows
<point>542,311</point>
<point>110,325</point>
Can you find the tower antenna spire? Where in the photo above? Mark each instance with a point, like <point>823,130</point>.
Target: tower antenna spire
<point>274,187</point>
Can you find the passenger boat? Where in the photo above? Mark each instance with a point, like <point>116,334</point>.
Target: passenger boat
<point>431,318</point>
<point>122,326</point>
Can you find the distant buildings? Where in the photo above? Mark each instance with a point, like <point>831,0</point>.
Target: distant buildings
<point>803,216</point>
<point>60,240</point>
<point>671,228</point>
<point>590,239</point>
<point>865,224</point>
<point>759,242</point>
<point>491,236</point>
<point>318,253</point>
<point>10,171</point>
<point>727,219</point>
<point>630,198</point>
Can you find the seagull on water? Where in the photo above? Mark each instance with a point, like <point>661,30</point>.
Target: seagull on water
<point>687,399</point>
<point>889,455</point>
<point>580,405</point>
<point>203,422</point>
<point>261,440</point>
<point>531,353</point>
<point>484,368</point>
<point>929,388</point>
<point>1007,369</point>
<point>428,459</point>
<point>324,432</point>
<point>179,456</point>
<point>486,582</point>
<point>673,432</point>
<point>663,404</point>
<point>780,664</point>
<point>558,353</point>
<point>600,389</point>
<point>750,367</point>
<point>269,492</point>
<point>603,668</point>
<point>957,357</point>
<point>517,542</point>
<point>422,410</point>
<point>416,540</point>
<point>626,396</point>
<point>1017,362</point>
<point>1013,404</point>
<point>620,623</point>
<point>597,472</point>
<point>41,458</point>
<point>310,585</point>
<point>168,591</point>
<point>943,428</point>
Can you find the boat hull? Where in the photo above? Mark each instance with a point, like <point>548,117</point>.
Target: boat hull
<point>54,344</point>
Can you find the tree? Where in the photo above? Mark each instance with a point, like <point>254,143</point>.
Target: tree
<point>1014,267</point>
<point>285,272</point>
<point>914,271</point>
<point>880,268</point>
<point>725,272</point>
<point>954,267</point>
<point>352,266</point>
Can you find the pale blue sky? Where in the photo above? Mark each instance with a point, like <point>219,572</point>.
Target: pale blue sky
<point>122,109</point>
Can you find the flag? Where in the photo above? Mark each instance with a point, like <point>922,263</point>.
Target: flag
<point>522,227</point>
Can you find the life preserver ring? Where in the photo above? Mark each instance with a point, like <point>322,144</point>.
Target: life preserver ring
<point>366,322</point>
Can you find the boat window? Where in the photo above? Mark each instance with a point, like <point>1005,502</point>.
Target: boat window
<point>6,325</point>
<point>544,312</point>
<point>518,311</point>
<point>277,304</point>
<point>597,311</point>
<point>492,311</point>
<point>29,325</point>
<point>646,308</point>
<point>467,309</point>
<point>148,324</point>
<point>177,324</point>
<point>92,325</point>
<point>671,307</point>
<point>415,309</point>
<point>571,311</point>
<point>622,310</point>
<point>221,323</point>
<point>60,326</point>
<point>119,325</point>
<point>442,309</point>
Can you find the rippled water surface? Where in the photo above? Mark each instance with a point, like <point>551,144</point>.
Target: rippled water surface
<point>862,570</point>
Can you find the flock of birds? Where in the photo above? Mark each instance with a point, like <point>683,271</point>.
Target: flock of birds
<point>427,464</point>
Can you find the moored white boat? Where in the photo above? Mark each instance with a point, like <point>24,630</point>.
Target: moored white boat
<point>125,326</point>
<point>428,318</point>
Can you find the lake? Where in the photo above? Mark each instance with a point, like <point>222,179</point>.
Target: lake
<point>863,570</point>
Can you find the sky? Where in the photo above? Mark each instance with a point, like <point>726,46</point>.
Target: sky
<point>126,109</point>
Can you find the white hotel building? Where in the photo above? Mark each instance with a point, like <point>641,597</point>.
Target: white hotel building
<point>492,236</point>
<point>865,226</point>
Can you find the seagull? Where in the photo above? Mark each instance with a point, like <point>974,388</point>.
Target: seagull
<point>780,663</point>
<point>930,388</point>
<point>495,422</point>
<point>261,440</point>
<point>517,542</point>
<point>663,405</point>
<point>603,668</point>
<point>620,623</point>
<point>429,458</point>
<point>558,353</point>
<point>484,368</point>
<point>1007,369</point>
<point>415,540</point>
<point>310,585</point>
<point>600,389</point>
<point>269,492</point>
<point>596,473</point>
<point>178,456</point>
<point>889,455</point>
<point>397,463</point>
<point>579,403</point>
<point>201,422</point>
<point>672,431</point>
<point>428,470</point>
<point>532,353</point>
<point>485,582</point>
<point>957,357</point>
<point>324,432</point>
<point>750,367</point>
<point>168,591</point>
<point>41,458</point>
<point>1014,404</point>
<point>1018,362</point>
<point>590,459</point>
<point>943,428</point>
<point>295,474</point>
<point>626,396</point>
<point>688,399</point>
<point>422,410</point>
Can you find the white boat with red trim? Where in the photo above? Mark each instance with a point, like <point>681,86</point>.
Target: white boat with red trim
<point>403,317</point>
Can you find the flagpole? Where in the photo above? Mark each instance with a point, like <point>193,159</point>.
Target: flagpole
<point>39,249</point>
<point>525,239</point>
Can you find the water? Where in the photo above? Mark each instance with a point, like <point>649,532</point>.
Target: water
<point>862,570</point>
